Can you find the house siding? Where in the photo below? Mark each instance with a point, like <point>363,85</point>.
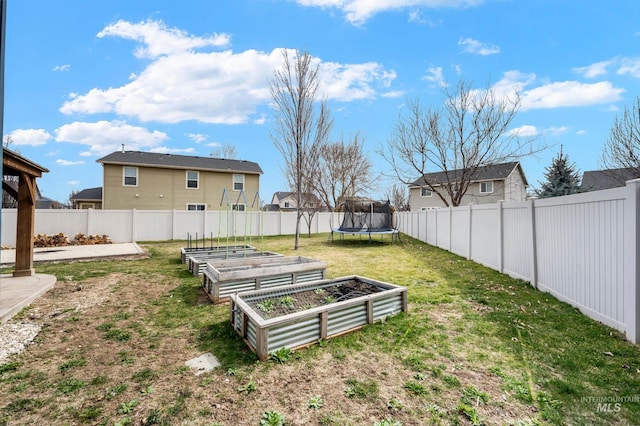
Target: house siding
<point>166,189</point>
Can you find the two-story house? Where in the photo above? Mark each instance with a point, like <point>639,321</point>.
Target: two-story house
<point>89,198</point>
<point>490,184</point>
<point>286,201</point>
<point>152,181</point>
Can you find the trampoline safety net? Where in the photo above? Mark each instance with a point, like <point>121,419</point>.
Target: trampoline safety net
<point>366,216</point>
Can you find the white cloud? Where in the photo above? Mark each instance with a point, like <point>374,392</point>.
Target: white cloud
<point>556,94</point>
<point>594,70</point>
<point>197,137</point>
<point>210,87</point>
<point>435,76</point>
<point>581,132</point>
<point>165,150</point>
<point>32,137</point>
<point>260,120</point>
<point>569,94</point>
<point>524,131</point>
<point>359,11</point>
<point>62,162</point>
<point>476,47</point>
<point>158,40</point>
<point>65,67</point>
<point>104,137</point>
<point>630,66</point>
<point>393,94</point>
<point>557,131</point>
<point>349,82</point>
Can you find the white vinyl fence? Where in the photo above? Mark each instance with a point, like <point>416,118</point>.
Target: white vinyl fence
<point>581,248</point>
<point>158,225</point>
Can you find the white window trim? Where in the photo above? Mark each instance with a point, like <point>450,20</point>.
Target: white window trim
<point>196,209</point>
<point>124,176</point>
<point>486,192</point>
<point>425,188</point>
<point>234,181</point>
<point>186,183</point>
<point>244,207</point>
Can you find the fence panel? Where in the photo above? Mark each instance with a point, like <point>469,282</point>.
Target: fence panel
<point>153,225</point>
<point>460,231</point>
<point>517,246</point>
<point>580,243</point>
<point>485,234</point>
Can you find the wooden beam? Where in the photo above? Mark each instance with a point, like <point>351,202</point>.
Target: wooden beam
<point>25,226</point>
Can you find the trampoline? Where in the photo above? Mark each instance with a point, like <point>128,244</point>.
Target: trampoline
<point>366,218</point>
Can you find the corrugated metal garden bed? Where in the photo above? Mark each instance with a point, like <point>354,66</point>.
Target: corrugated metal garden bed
<point>197,263</point>
<point>297,316</point>
<point>221,278</point>
<point>185,252</point>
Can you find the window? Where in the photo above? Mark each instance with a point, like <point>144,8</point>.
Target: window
<point>486,187</point>
<point>425,192</point>
<point>237,207</point>
<point>238,182</point>
<point>192,179</point>
<point>196,207</point>
<point>130,176</point>
<point>286,205</point>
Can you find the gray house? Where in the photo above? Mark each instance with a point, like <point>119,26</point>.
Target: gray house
<point>89,198</point>
<point>595,180</point>
<point>490,184</point>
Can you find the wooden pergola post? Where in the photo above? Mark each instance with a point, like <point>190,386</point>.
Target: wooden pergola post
<point>27,171</point>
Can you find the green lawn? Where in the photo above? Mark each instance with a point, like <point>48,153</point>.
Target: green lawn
<point>476,347</point>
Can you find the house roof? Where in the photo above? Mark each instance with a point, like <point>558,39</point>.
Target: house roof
<point>89,194</point>
<point>595,180</point>
<point>171,161</point>
<point>281,195</point>
<point>483,173</point>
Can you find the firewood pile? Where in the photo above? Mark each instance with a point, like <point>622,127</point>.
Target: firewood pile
<point>60,239</point>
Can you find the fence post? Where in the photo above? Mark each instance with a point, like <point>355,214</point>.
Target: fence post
<point>631,267</point>
<point>173,224</point>
<point>534,254</point>
<point>469,233</point>
<point>450,228</point>
<point>500,237</point>
<point>89,221</point>
<point>133,225</point>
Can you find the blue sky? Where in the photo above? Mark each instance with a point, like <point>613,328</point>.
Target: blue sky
<point>185,77</point>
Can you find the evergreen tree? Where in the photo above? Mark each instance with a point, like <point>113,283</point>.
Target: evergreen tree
<point>562,178</point>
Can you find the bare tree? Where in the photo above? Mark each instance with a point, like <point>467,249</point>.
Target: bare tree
<point>622,149</point>
<point>399,197</point>
<point>470,131</point>
<point>227,151</point>
<point>344,171</point>
<point>301,124</point>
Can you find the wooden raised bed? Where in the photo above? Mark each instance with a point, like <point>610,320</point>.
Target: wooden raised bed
<point>197,263</point>
<point>221,278</point>
<point>297,316</point>
<point>185,252</point>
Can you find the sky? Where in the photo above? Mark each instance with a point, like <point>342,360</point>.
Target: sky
<point>189,77</point>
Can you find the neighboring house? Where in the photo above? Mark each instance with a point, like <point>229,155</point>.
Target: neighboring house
<point>47,203</point>
<point>152,181</point>
<point>286,201</point>
<point>490,184</point>
<point>595,180</point>
<point>90,198</point>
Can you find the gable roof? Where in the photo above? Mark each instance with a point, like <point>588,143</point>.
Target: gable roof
<point>595,180</point>
<point>171,161</point>
<point>89,194</point>
<point>281,195</point>
<point>483,173</point>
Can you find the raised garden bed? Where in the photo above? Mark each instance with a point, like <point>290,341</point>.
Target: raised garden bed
<point>221,278</point>
<point>197,264</point>
<point>297,316</point>
<point>185,252</point>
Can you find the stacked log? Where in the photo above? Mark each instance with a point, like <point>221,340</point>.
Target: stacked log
<point>60,239</point>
